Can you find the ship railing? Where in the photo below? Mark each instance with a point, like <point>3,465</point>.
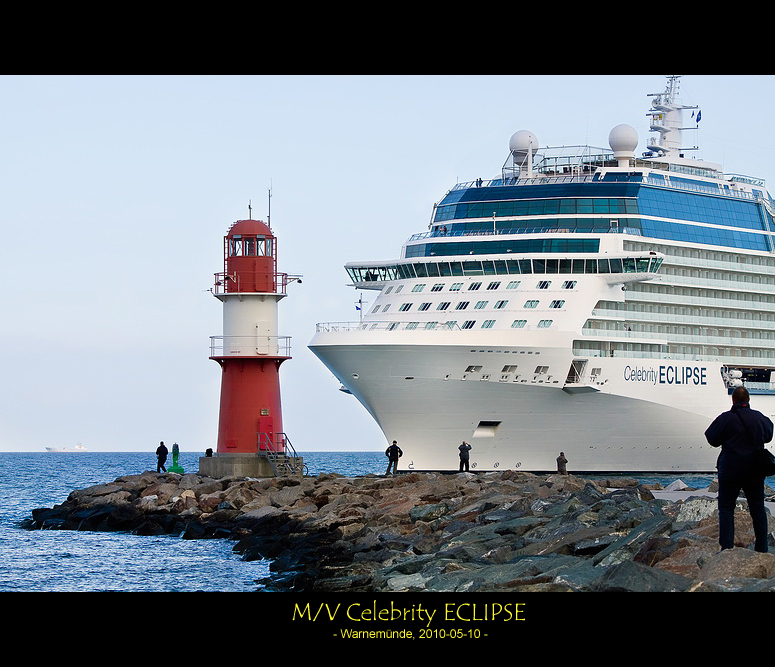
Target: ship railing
<point>420,327</point>
<point>272,346</point>
<point>436,233</point>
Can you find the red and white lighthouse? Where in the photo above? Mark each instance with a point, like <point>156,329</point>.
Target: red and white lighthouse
<point>250,351</point>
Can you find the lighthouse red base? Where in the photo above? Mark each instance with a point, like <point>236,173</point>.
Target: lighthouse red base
<point>250,418</point>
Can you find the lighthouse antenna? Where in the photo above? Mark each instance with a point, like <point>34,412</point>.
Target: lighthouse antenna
<point>269,213</point>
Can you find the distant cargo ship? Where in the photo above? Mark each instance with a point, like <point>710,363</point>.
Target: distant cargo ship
<point>77,448</point>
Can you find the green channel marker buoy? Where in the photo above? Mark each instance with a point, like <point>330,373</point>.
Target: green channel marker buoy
<point>175,453</point>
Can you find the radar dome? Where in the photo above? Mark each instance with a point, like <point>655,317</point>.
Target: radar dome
<point>523,141</point>
<point>623,139</point>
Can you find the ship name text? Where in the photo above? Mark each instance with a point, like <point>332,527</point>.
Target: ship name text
<point>669,374</point>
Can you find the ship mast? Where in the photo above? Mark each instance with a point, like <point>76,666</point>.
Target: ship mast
<point>667,120</point>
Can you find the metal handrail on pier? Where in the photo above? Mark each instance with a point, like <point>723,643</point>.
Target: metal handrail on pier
<point>281,454</point>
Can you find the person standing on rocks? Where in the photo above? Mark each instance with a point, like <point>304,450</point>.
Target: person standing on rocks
<point>464,449</point>
<point>161,457</point>
<point>740,433</point>
<point>393,453</point>
<point>562,464</point>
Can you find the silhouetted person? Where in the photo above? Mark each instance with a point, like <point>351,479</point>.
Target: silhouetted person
<point>464,449</point>
<point>740,433</point>
<point>562,464</point>
<point>393,453</point>
<point>161,457</point>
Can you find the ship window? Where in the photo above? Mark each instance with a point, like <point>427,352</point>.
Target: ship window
<point>473,369</point>
<point>532,303</point>
<point>509,369</point>
<point>481,304</point>
<point>545,324</point>
<point>424,306</point>
<point>443,305</point>
<point>450,324</point>
<point>501,304</point>
<point>389,289</point>
<point>474,286</point>
<point>558,303</point>
<point>494,285</point>
<point>375,309</point>
<point>487,324</point>
<point>385,309</point>
<point>569,284</point>
<point>541,369</point>
<point>437,287</point>
<point>462,305</point>
<point>456,287</point>
<point>418,288</point>
<point>405,306</point>
<point>412,325</point>
<point>392,326</point>
<point>399,288</point>
<point>543,284</point>
<point>518,324</point>
<point>468,324</point>
<point>430,325</point>
<point>513,284</point>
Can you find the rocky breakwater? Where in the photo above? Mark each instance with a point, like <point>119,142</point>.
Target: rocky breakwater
<point>486,532</point>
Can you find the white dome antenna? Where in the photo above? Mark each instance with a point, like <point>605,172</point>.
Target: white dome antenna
<point>523,146</point>
<point>623,140</point>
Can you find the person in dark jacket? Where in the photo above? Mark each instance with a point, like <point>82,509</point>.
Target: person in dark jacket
<point>393,453</point>
<point>464,456</point>
<point>161,457</point>
<point>740,433</point>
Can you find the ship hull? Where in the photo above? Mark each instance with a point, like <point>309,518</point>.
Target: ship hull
<point>632,416</point>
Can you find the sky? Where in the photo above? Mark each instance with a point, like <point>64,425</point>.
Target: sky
<point>117,192</point>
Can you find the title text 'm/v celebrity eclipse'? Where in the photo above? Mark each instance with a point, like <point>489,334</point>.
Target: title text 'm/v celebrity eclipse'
<point>587,300</point>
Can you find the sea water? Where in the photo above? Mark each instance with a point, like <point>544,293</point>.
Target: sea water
<point>76,561</point>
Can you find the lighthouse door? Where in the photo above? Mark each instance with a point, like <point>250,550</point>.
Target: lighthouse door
<point>266,434</point>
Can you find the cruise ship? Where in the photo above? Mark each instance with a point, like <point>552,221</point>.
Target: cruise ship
<point>602,302</point>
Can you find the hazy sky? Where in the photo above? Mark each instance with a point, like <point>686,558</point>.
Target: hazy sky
<point>117,192</point>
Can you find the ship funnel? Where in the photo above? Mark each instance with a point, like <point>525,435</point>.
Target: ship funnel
<point>623,141</point>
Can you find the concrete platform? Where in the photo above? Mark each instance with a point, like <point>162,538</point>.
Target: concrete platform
<point>239,465</point>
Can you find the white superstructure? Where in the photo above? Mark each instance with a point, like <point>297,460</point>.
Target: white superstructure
<point>586,300</point>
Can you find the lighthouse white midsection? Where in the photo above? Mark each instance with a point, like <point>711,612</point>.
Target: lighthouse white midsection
<point>250,324</point>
